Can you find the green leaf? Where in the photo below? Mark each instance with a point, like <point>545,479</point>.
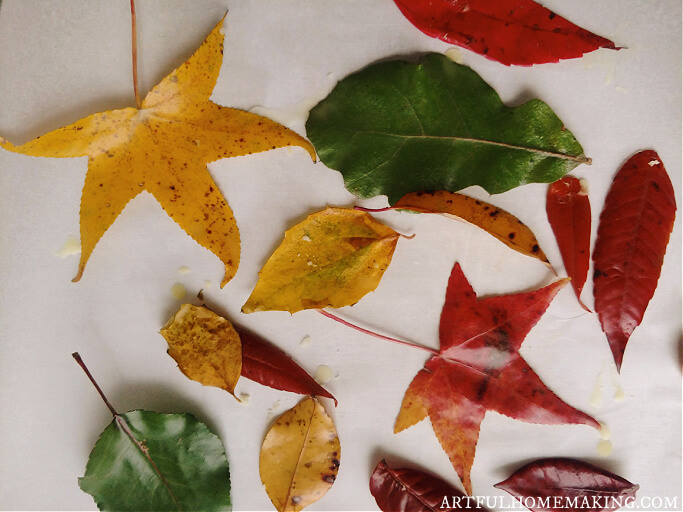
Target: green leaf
<point>150,461</point>
<point>396,127</point>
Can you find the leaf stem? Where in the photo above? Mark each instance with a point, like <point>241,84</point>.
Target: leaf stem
<point>373,210</point>
<point>376,335</point>
<point>80,362</point>
<point>134,45</point>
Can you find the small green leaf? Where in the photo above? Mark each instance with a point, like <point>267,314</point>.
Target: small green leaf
<point>396,127</point>
<point>150,461</point>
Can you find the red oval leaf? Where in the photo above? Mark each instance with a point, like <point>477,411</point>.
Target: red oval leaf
<point>405,489</point>
<point>512,32</point>
<point>569,214</point>
<point>633,233</point>
<point>266,364</point>
<point>558,484</point>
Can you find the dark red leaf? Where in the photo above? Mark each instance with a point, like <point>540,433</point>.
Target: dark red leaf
<point>633,233</point>
<point>557,484</point>
<point>411,490</point>
<point>569,214</point>
<point>479,368</point>
<point>266,364</point>
<point>512,32</point>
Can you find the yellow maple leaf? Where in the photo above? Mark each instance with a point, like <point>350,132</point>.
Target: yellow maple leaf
<point>163,148</point>
<point>333,258</point>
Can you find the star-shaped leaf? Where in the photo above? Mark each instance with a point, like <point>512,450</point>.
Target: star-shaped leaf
<point>479,368</point>
<point>163,148</point>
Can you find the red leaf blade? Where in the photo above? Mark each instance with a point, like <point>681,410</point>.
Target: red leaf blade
<point>512,32</point>
<point>411,490</point>
<point>594,489</point>
<point>633,233</point>
<point>569,214</point>
<point>266,364</point>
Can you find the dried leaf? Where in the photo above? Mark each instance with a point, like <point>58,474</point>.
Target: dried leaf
<point>333,258</point>
<point>479,368</point>
<point>569,214</point>
<point>206,347</point>
<point>411,490</point>
<point>558,484</point>
<point>163,149</point>
<point>497,222</point>
<point>633,233</point>
<point>396,127</point>
<point>512,32</point>
<point>300,456</point>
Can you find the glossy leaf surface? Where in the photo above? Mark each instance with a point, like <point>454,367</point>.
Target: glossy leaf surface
<point>557,483</point>
<point>299,457</point>
<point>163,149</point>
<point>396,127</point>
<point>497,222</point>
<point>333,258</point>
<point>479,368</point>
<point>206,347</point>
<point>412,490</point>
<point>266,364</point>
<point>149,461</point>
<point>512,32</point>
<point>634,229</point>
<point>569,214</point>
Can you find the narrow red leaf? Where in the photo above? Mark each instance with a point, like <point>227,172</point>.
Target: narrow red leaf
<point>633,233</point>
<point>266,364</point>
<point>558,484</point>
<point>411,490</point>
<point>512,32</point>
<point>569,214</point>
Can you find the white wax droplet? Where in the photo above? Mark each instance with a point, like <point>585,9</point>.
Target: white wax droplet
<point>207,284</point>
<point>652,163</point>
<point>605,432</point>
<point>184,270</point>
<point>596,396</point>
<point>604,448</point>
<point>71,246</point>
<point>455,55</point>
<point>305,341</point>
<point>306,238</point>
<point>178,291</point>
<point>323,374</point>
<point>619,395</point>
<point>584,187</point>
<point>244,398</point>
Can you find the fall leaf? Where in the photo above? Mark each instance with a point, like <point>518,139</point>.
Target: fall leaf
<point>300,456</point>
<point>497,222</point>
<point>396,127</point>
<point>411,490</point>
<point>206,347</point>
<point>552,485</point>
<point>512,32</point>
<point>333,258</point>
<point>479,368</point>
<point>633,233</point>
<point>569,214</point>
<point>145,460</point>
<point>163,148</point>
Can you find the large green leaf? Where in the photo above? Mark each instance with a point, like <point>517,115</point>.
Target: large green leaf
<point>397,127</point>
<point>149,461</point>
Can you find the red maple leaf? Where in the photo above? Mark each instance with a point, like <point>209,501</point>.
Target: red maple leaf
<point>479,368</point>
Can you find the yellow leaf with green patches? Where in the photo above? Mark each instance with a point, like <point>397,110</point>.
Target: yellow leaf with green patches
<point>299,457</point>
<point>333,258</point>
<point>163,148</point>
<point>206,347</point>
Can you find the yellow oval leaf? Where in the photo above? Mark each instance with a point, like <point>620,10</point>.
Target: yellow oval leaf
<point>333,258</point>
<point>497,222</point>
<point>206,347</point>
<point>300,456</point>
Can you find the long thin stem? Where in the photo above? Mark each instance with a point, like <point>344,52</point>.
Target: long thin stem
<point>373,210</point>
<point>134,37</point>
<point>376,335</point>
<point>80,362</point>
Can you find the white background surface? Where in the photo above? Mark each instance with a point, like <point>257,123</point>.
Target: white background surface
<point>60,61</point>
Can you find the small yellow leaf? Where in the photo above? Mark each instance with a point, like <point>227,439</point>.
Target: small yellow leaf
<point>333,258</point>
<point>300,456</point>
<point>206,347</point>
<point>497,222</point>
